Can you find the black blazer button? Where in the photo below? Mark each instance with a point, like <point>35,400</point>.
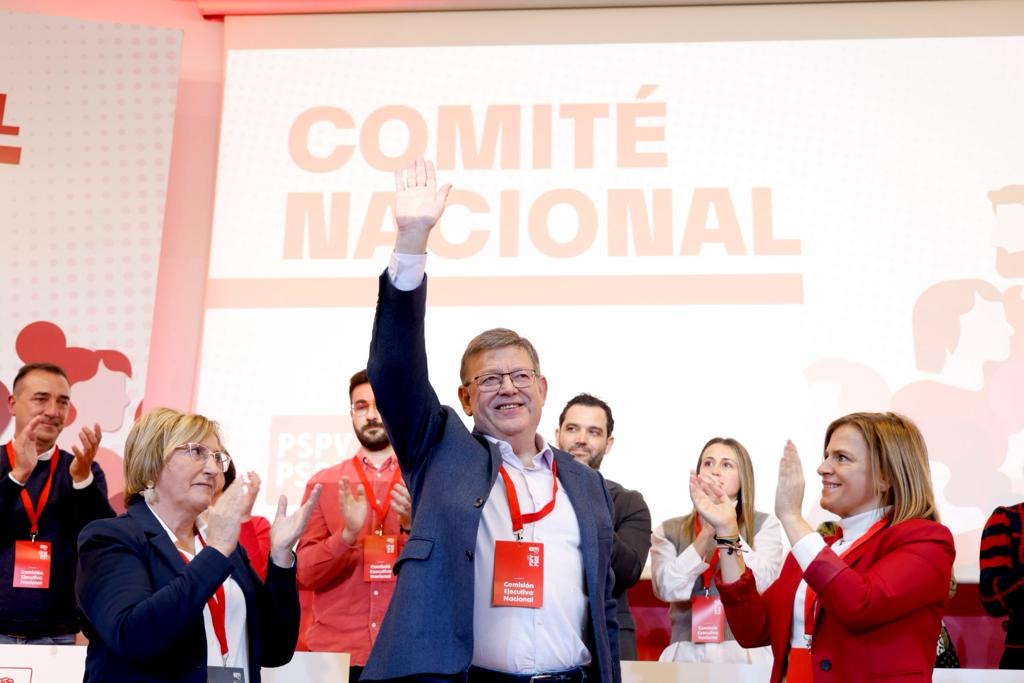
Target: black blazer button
<point>469,554</point>
<point>826,665</point>
<point>478,502</point>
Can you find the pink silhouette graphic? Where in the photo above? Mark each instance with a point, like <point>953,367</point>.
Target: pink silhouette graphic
<point>1008,235</point>
<point>844,387</point>
<point>98,391</point>
<point>1006,380</point>
<point>961,335</point>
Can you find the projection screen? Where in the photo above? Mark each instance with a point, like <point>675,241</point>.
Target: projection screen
<point>724,221</point>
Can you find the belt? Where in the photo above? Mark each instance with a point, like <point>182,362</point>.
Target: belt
<point>480,675</point>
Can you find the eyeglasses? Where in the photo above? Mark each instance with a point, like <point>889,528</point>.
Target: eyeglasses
<point>521,379</point>
<point>361,408</point>
<point>199,453</point>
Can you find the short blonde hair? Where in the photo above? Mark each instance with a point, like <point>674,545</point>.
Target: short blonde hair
<point>151,440</point>
<point>898,456</point>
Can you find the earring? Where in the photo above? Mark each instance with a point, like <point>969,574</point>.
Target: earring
<point>149,493</point>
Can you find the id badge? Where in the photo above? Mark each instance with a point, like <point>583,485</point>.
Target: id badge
<point>708,619</point>
<point>518,574</point>
<point>379,555</point>
<point>225,674</point>
<point>32,564</point>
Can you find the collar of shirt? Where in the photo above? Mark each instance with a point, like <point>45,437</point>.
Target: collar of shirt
<point>200,526</point>
<point>857,525</point>
<point>390,462</point>
<point>545,456</point>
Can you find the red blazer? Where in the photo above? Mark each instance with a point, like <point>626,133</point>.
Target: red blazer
<point>880,606</point>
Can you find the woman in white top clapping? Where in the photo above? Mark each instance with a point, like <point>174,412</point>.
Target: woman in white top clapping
<point>684,560</point>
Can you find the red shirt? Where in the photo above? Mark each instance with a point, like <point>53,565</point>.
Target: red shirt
<point>347,611</point>
<point>254,536</point>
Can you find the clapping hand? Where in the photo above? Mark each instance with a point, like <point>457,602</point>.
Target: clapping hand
<point>789,493</point>
<point>81,466</point>
<point>26,450</point>
<point>401,503</point>
<point>286,529</point>
<point>714,506</point>
<point>252,491</point>
<point>354,509</point>
<point>224,519</point>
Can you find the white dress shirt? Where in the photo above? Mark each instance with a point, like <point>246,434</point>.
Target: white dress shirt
<point>234,613</point>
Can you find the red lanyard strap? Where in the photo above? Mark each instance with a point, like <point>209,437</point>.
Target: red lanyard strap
<point>811,599</point>
<point>709,573</point>
<point>34,512</point>
<point>518,518</point>
<point>218,608</point>
<point>380,508</point>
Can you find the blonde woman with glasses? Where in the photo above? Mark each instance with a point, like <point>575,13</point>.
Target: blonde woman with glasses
<point>168,597</point>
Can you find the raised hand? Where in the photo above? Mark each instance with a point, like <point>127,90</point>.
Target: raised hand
<point>354,508</point>
<point>418,206</point>
<point>401,502</point>
<point>713,505</point>
<point>26,450</point>
<point>789,493</point>
<point>81,466</point>
<point>286,529</point>
<point>225,518</point>
<point>252,491</point>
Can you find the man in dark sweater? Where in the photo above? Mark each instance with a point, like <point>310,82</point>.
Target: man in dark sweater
<point>46,496</point>
<point>585,430</point>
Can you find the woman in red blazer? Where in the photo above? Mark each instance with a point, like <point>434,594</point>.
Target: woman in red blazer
<point>866,604</point>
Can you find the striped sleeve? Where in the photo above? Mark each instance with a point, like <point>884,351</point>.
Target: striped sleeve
<point>1001,586</point>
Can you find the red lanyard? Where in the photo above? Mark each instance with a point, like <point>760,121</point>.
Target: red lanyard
<point>218,608</point>
<point>380,508</point>
<point>811,599</point>
<point>709,573</point>
<point>32,511</point>
<point>518,518</point>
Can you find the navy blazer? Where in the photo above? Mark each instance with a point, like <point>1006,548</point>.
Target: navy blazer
<point>142,605</point>
<point>450,472</point>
